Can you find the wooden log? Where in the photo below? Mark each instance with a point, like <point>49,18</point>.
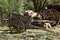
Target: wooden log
<point>44,21</point>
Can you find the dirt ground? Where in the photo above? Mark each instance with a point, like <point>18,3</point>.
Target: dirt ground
<point>31,34</point>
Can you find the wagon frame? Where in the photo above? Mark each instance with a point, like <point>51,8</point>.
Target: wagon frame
<point>18,24</point>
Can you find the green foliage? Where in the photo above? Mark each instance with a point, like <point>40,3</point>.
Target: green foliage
<point>21,8</point>
<point>4,6</point>
<point>30,6</point>
<point>17,6</point>
<point>7,6</point>
<point>39,4</point>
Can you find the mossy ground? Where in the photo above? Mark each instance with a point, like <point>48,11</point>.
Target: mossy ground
<point>31,34</point>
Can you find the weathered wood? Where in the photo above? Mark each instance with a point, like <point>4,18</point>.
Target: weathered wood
<point>56,7</point>
<point>44,21</point>
<point>50,14</point>
<point>19,22</point>
<point>40,22</point>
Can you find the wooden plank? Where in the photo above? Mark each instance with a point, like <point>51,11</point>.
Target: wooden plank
<point>4,19</point>
<point>44,21</point>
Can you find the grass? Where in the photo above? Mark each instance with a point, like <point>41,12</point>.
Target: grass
<point>31,34</point>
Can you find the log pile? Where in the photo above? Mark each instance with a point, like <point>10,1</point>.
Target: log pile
<point>43,23</point>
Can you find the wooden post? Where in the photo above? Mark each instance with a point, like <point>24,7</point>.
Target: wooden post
<point>1,20</point>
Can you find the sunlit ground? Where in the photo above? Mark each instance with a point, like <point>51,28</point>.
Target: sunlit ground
<point>31,34</point>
